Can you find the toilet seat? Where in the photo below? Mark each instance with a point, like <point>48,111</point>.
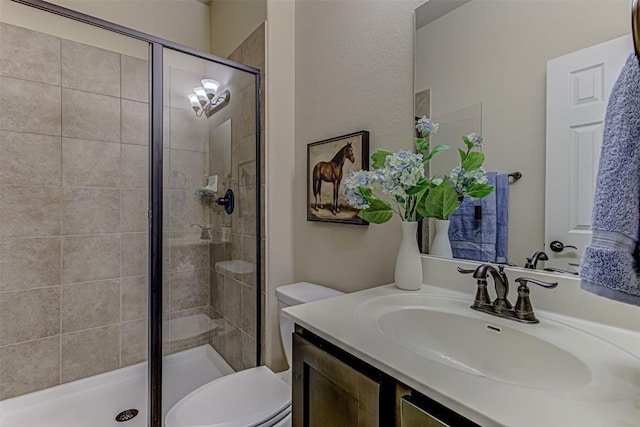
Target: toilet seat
<point>249,398</point>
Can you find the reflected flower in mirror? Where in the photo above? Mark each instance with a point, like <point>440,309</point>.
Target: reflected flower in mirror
<point>398,183</point>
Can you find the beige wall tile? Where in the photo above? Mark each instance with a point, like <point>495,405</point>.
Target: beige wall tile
<point>253,49</point>
<point>247,107</point>
<point>29,263</point>
<point>90,352</point>
<point>189,257</point>
<point>232,348</point>
<point>29,315</point>
<point>133,342</point>
<point>90,211</point>
<point>29,159</point>
<point>188,132</point>
<point>249,311</point>
<point>29,211</point>
<point>88,163</point>
<point>135,122</point>
<point>89,258</point>
<point>29,366</point>
<point>135,78</point>
<point>247,210</point>
<point>90,69</point>
<point>232,303</point>
<point>189,289</point>
<point>135,166</point>
<point>17,109</point>
<point>29,55</point>
<point>249,249</point>
<point>134,294</point>
<point>216,293</point>
<point>89,305</point>
<point>133,210</point>
<point>134,254</point>
<point>248,351</point>
<point>90,116</point>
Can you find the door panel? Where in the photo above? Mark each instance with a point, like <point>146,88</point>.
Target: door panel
<point>578,88</point>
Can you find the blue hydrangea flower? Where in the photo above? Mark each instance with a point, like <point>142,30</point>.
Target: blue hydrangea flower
<point>352,184</point>
<point>426,127</point>
<point>476,139</point>
<point>461,179</point>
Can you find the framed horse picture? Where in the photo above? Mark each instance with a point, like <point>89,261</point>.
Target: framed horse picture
<point>328,162</point>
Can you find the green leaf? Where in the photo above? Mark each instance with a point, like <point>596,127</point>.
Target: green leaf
<point>468,143</point>
<point>478,191</point>
<point>422,145</point>
<point>423,184</point>
<point>473,161</point>
<point>463,155</point>
<point>441,201</point>
<point>378,158</point>
<point>437,149</point>
<point>378,212</point>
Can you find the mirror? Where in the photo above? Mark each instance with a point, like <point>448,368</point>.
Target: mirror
<point>483,63</point>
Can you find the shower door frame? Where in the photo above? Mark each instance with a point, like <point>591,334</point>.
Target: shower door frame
<point>155,207</point>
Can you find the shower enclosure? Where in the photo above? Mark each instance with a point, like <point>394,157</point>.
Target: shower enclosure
<point>130,220</point>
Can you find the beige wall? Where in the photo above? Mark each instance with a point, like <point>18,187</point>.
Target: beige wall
<point>354,71</point>
<point>232,21</point>
<point>505,69</point>
<point>279,167</point>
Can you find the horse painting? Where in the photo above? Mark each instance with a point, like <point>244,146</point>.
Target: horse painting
<point>331,171</point>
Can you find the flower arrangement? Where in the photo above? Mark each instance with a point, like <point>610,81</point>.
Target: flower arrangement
<point>398,184</point>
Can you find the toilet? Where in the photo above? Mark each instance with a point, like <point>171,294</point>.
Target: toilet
<point>255,397</point>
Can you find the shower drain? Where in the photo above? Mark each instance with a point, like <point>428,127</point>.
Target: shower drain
<point>126,415</point>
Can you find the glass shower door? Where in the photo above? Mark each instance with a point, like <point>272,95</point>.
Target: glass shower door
<point>209,228</point>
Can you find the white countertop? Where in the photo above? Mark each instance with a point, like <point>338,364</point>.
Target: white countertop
<point>485,401</point>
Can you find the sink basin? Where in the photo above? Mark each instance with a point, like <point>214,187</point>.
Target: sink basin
<point>549,355</point>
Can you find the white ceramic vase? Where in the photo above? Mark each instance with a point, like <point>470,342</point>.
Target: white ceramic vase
<point>408,263</point>
<point>441,245</point>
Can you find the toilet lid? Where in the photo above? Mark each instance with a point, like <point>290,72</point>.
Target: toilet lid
<point>242,399</point>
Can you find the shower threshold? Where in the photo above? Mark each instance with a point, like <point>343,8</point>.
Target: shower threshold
<point>97,400</point>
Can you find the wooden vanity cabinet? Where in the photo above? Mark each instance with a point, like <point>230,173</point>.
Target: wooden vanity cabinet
<point>333,388</point>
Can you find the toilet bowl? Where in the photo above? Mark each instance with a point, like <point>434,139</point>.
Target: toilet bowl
<point>255,397</point>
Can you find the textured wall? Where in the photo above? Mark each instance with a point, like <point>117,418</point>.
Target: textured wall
<point>354,71</point>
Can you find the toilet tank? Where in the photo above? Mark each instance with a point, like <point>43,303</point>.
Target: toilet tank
<point>298,293</point>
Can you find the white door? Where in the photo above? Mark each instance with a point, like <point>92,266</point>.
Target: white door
<point>578,88</point>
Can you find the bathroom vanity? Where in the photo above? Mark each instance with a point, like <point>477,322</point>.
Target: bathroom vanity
<point>333,388</point>
<point>372,357</point>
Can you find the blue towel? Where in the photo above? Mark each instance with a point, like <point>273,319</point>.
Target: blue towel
<point>610,265</point>
<point>484,239</point>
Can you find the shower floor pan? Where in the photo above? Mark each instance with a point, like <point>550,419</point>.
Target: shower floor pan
<point>97,400</point>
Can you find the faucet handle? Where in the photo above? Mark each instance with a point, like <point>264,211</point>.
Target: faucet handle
<point>524,280</point>
<point>466,271</point>
<point>523,309</point>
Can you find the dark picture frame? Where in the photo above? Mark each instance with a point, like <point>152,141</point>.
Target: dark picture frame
<point>328,163</point>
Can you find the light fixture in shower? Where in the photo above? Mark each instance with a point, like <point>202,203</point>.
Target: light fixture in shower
<point>204,100</point>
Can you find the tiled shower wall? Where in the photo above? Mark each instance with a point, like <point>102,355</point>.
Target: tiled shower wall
<point>73,202</point>
<point>233,286</point>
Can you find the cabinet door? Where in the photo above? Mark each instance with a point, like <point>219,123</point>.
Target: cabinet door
<point>328,392</point>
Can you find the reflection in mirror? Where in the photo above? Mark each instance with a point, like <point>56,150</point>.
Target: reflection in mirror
<point>494,54</point>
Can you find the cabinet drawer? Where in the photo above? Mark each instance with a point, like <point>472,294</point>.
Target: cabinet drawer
<point>414,416</point>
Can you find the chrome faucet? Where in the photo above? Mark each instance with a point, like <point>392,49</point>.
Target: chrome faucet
<point>501,307</point>
<point>204,234</point>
